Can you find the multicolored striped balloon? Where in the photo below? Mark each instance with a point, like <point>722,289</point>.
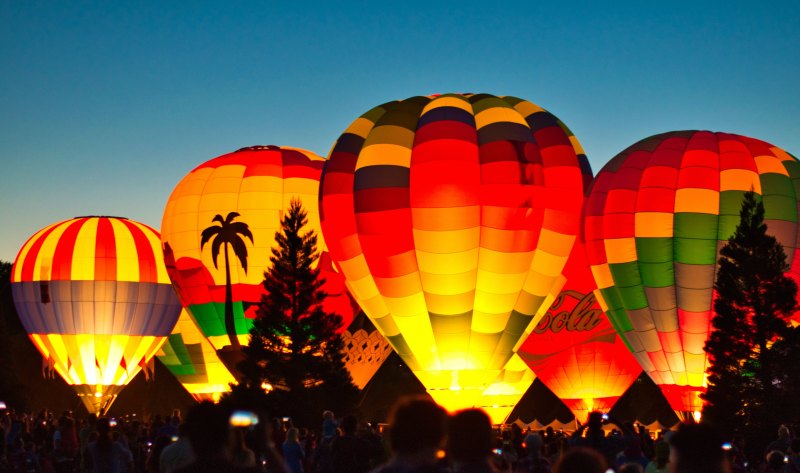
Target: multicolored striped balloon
<point>249,188</point>
<point>94,296</point>
<point>194,362</point>
<point>451,218</point>
<point>657,215</point>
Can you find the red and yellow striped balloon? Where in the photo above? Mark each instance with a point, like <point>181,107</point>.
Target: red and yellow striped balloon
<point>94,296</point>
<point>451,218</point>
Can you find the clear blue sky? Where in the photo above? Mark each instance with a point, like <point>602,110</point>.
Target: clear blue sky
<point>105,106</point>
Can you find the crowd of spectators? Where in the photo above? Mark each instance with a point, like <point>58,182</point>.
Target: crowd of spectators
<point>420,437</point>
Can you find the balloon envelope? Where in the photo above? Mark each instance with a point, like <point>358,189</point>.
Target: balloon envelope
<point>451,218</point>
<point>365,350</point>
<point>575,351</point>
<point>656,217</point>
<point>258,184</point>
<point>94,296</point>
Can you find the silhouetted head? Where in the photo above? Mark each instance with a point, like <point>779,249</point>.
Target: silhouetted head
<point>581,460</point>
<point>533,443</point>
<point>469,436</point>
<point>349,425</point>
<point>207,426</point>
<point>697,448</point>
<point>417,424</point>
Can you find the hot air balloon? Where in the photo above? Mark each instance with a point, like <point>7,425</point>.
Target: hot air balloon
<point>218,231</point>
<point>94,296</point>
<point>451,218</point>
<point>656,218</point>
<point>365,350</point>
<point>194,362</point>
<point>575,351</point>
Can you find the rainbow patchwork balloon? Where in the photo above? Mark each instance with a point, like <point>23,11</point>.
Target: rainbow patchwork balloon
<point>94,296</point>
<point>656,218</point>
<point>451,218</point>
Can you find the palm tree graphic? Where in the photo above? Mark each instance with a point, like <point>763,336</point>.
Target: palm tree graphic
<point>230,234</point>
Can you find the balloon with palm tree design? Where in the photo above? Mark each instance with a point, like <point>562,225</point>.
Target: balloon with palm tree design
<point>218,232</point>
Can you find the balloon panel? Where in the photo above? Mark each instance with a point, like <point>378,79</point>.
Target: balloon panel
<point>655,220</point>
<point>451,218</point>
<point>365,350</point>
<point>194,362</point>
<point>257,183</point>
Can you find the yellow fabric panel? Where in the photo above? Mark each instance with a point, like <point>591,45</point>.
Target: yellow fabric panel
<point>127,256</point>
<point>494,303</point>
<point>450,304</point>
<point>602,276</point>
<point>401,305</point>
<point>555,243</point>
<point>446,101</point>
<point>620,250</point>
<point>548,264</point>
<point>653,224</point>
<point>498,114</point>
<point>447,241</point>
<point>23,253</point>
<point>361,127</point>
<point>384,154</point>
<point>448,263</point>
<point>448,284</point>
<point>266,184</point>
<point>108,351</point>
<point>194,183</point>
<point>302,186</point>
<point>44,260</point>
<point>456,218</point>
<point>311,156</point>
<point>259,201</point>
<point>505,262</point>
<point>770,164</point>
<point>84,252</point>
<point>217,203</point>
<point>500,283</point>
<point>155,244</point>
<point>704,201</point>
<point>390,135</point>
<point>740,180</point>
<point>489,323</point>
<point>417,331</point>
<point>527,109</point>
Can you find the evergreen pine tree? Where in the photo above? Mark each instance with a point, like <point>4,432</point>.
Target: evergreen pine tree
<point>753,304</point>
<point>294,346</point>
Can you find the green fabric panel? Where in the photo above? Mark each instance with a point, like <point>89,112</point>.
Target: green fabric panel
<point>633,297</point>
<point>793,168</point>
<point>654,250</point>
<point>696,225</point>
<point>616,312</point>
<point>730,202</point>
<point>374,114</point>
<point>657,274</point>
<point>488,102</point>
<point>169,357</point>
<point>692,251</point>
<point>210,318</point>
<point>776,184</point>
<point>176,342</point>
<point>780,207</point>
<point>181,370</point>
<point>727,226</point>
<point>625,274</point>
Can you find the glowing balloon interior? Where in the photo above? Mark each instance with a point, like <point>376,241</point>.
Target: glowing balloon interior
<point>451,218</point>
<point>656,217</point>
<point>94,296</point>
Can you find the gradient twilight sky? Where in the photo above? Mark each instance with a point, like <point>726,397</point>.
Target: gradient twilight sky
<point>105,106</point>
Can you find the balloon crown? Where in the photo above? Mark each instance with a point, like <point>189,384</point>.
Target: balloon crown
<point>101,216</point>
<point>259,148</point>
